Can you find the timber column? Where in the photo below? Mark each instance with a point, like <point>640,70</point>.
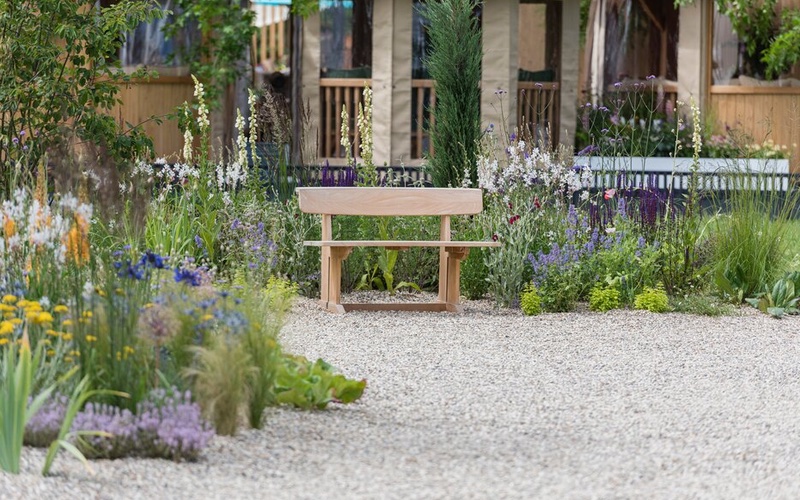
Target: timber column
<point>569,71</point>
<point>500,64</point>
<point>692,53</point>
<point>310,77</point>
<point>391,81</point>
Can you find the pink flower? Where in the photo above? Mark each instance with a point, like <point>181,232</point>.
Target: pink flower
<point>609,193</point>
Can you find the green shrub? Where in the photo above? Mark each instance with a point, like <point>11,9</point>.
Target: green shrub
<point>751,239</point>
<point>652,299</point>
<point>701,304</point>
<point>474,274</point>
<point>530,302</point>
<point>604,298</point>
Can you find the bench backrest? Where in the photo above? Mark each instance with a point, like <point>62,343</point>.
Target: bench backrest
<point>379,201</point>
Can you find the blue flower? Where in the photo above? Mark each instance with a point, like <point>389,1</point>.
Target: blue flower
<point>187,276</point>
<point>154,260</point>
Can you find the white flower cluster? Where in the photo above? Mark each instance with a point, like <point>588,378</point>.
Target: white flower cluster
<point>229,177</point>
<point>526,167</point>
<point>251,100</point>
<point>241,140</point>
<point>202,109</point>
<point>364,124</point>
<point>31,228</point>
<point>187,146</point>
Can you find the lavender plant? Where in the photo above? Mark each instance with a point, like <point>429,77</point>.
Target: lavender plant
<point>527,191</point>
<point>167,424</point>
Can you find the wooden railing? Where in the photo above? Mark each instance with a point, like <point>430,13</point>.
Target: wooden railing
<point>538,110</point>
<point>538,107</point>
<point>269,41</point>
<point>423,99</point>
<point>336,93</point>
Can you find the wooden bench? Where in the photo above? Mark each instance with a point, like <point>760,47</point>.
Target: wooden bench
<point>392,202</point>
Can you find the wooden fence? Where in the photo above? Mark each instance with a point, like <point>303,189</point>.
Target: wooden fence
<point>538,110</point>
<point>423,98</point>
<point>336,94</point>
<point>143,99</point>
<point>762,113</point>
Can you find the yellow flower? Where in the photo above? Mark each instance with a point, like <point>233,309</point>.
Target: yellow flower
<point>7,308</point>
<point>66,337</point>
<point>74,353</point>
<point>9,315</point>
<point>60,308</point>
<point>47,342</point>
<point>24,303</point>
<point>66,322</point>
<point>100,292</point>
<point>43,317</point>
<point>128,349</point>
<point>6,327</point>
<point>15,321</point>
<point>68,359</point>
<point>50,352</point>
<point>3,341</point>
<point>206,317</point>
<point>119,356</point>
<point>31,306</point>
<point>87,314</point>
<point>52,332</point>
<point>91,338</point>
<point>9,299</point>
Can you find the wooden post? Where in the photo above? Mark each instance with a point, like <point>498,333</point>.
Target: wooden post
<point>453,295</point>
<point>338,255</point>
<point>324,278</point>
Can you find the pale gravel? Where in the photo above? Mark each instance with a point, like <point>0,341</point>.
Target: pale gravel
<point>492,404</point>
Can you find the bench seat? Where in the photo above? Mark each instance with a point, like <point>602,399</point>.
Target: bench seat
<point>401,244</point>
<point>392,202</point>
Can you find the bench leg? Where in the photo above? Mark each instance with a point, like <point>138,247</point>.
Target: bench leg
<point>324,276</point>
<point>452,281</point>
<point>333,295</point>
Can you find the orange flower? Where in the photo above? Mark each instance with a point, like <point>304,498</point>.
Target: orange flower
<point>9,227</point>
<point>78,241</point>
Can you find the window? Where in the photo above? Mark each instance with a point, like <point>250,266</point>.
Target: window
<point>539,40</point>
<point>346,38</point>
<point>731,61</point>
<point>629,40</point>
<point>148,46</point>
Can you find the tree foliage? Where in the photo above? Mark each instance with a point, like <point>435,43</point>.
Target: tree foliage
<point>454,62</point>
<point>61,78</point>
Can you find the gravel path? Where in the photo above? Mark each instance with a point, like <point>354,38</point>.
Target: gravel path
<point>491,404</point>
